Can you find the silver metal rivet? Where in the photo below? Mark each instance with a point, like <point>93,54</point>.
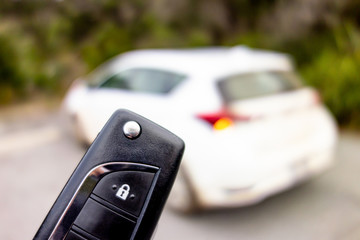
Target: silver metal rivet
<point>131,129</point>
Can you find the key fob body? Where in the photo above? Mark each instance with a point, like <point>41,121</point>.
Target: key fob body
<point>119,188</point>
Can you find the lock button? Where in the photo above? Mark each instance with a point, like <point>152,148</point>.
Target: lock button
<point>123,192</point>
<point>125,189</point>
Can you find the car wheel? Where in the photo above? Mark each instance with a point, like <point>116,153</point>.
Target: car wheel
<point>182,198</point>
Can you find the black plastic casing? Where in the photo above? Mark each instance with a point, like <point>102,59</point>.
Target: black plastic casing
<point>155,146</point>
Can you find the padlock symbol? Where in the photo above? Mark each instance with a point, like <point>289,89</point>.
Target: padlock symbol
<point>123,191</point>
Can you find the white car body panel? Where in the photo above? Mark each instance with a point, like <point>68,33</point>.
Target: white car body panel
<point>288,138</point>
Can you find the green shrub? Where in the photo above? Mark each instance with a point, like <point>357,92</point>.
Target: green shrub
<point>11,78</point>
<point>336,73</point>
<point>107,40</point>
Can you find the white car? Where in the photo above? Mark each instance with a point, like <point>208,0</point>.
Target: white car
<point>251,128</point>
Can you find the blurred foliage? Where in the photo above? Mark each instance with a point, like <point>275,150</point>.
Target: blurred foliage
<point>45,44</point>
<point>336,71</point>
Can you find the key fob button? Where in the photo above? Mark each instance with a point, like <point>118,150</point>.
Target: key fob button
<point>74,236</point>
<point>104,223</point>
<point>125,189</point>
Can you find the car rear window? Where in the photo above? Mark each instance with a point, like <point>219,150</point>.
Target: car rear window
<point>144,80</point>
<point>249,85</point>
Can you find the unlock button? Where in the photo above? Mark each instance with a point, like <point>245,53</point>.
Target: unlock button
<point>125,189</point>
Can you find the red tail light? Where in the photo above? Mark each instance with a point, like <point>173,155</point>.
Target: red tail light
<point>222,119</point>
<point>212,118</point>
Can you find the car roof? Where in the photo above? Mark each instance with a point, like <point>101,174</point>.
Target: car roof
<point>215,62</point>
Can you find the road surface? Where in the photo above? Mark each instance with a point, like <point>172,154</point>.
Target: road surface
<point>37,156</point>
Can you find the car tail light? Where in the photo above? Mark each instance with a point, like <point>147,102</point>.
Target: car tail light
<point>222,119</point>
<point>222,123</point>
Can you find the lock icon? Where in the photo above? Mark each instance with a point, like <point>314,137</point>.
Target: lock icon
<point>123,191</point>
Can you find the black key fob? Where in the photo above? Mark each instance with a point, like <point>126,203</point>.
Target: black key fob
<point>120,186</point>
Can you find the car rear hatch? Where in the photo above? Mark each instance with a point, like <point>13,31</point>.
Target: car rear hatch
<point>272,123</point>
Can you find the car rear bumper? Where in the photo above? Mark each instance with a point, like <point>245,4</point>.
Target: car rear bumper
<point>276,181</point>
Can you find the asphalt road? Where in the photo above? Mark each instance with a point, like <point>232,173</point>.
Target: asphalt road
<point>37,157</point>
